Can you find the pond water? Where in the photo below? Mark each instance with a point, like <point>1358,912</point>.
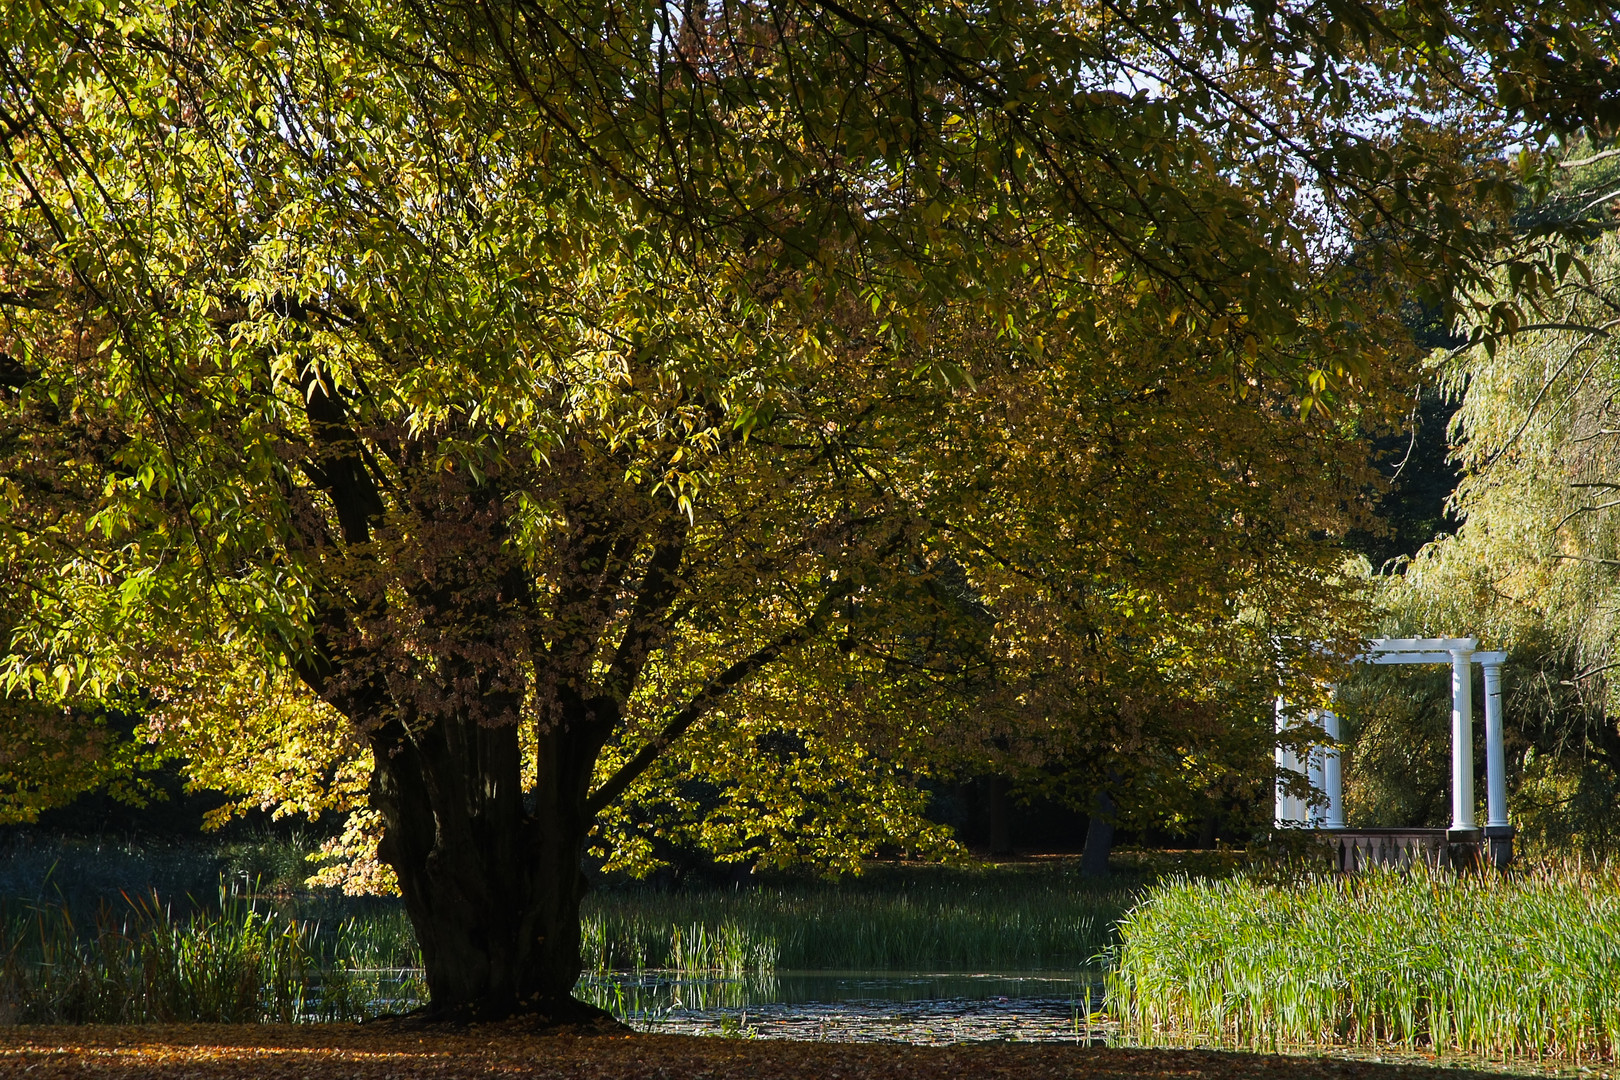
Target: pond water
<point>919,1008</point>
<point>861,1006</point>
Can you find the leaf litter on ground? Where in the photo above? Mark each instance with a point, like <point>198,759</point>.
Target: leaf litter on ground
<point>354,1052</point>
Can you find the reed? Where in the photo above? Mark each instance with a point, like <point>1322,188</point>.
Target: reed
<point>235,962</point>
<point>982,925</point>
<point>245,956</point>
<point>1482,965</point>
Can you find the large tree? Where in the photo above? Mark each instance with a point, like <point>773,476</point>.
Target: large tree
<point>538,383</point>
<point>1532,565</point>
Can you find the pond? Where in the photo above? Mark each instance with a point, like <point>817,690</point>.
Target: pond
<point>861,1006</point>
<point>917,1008</point>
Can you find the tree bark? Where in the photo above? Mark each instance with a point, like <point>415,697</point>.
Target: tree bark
<point>492,889</point>
<point>437,649</point>
<point>1000,831</point>
<point>491,882</point>
<point>1099,838</point>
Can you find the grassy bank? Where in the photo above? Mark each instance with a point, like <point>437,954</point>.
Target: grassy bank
<point>1525,965</point>
<point>226,934</point>
<point>115,931</point>
<point>238,960</point>
<point>929,920</point>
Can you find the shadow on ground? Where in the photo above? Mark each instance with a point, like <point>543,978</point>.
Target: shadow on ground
<point>345,1052</point>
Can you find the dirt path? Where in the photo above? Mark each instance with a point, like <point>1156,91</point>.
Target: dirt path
<point>343,1052</point>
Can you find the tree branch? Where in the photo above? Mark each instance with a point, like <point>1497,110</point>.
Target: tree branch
<point>717,688</point>
<point>1530,414</point>
<point>1590,160</point>
<point>649,619</point>
<point>595,565</point>
<point>1600,669</point>
<point>1584,510</point>
<point>342,470</point>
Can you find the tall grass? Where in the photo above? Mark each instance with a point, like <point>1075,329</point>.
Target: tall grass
<point>68,954</point>
<point>236,962</point>
<point>1481,965</point>
<point>984,924</point>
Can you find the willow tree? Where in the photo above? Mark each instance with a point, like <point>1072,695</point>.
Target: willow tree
<point>537,383</point>
<point>1533,564</point>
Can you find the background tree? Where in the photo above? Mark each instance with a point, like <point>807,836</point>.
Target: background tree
<point>529,380</point>
<point>1531,566</point>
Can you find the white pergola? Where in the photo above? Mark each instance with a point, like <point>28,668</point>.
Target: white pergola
<point>1322,767</point>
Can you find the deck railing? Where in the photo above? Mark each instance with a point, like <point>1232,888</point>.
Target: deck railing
<point>1363,849</point>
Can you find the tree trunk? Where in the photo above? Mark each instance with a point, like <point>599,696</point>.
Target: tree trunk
<point>421,643</point>
<point>1099,838</point>
<point>492,889</point>
<point>1206,834</point>
<point>1000,832</point>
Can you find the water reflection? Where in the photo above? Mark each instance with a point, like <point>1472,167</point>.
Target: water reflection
<point>361,993</point>
<point>653,994</point>
<point>859,1005</point>
<point>835,986</point>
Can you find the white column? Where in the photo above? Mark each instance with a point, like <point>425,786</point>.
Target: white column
<point>1315,779</point>
<point>1332,779</point>
<point>1495,766</point>
<point>1280,807</point>
<point>1462,740</point>
<point>1289,809</point>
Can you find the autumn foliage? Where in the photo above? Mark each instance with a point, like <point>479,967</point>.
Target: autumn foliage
<point>499,420</point>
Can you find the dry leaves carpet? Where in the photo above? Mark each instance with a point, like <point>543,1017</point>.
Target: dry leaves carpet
<point>345,1052</point>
